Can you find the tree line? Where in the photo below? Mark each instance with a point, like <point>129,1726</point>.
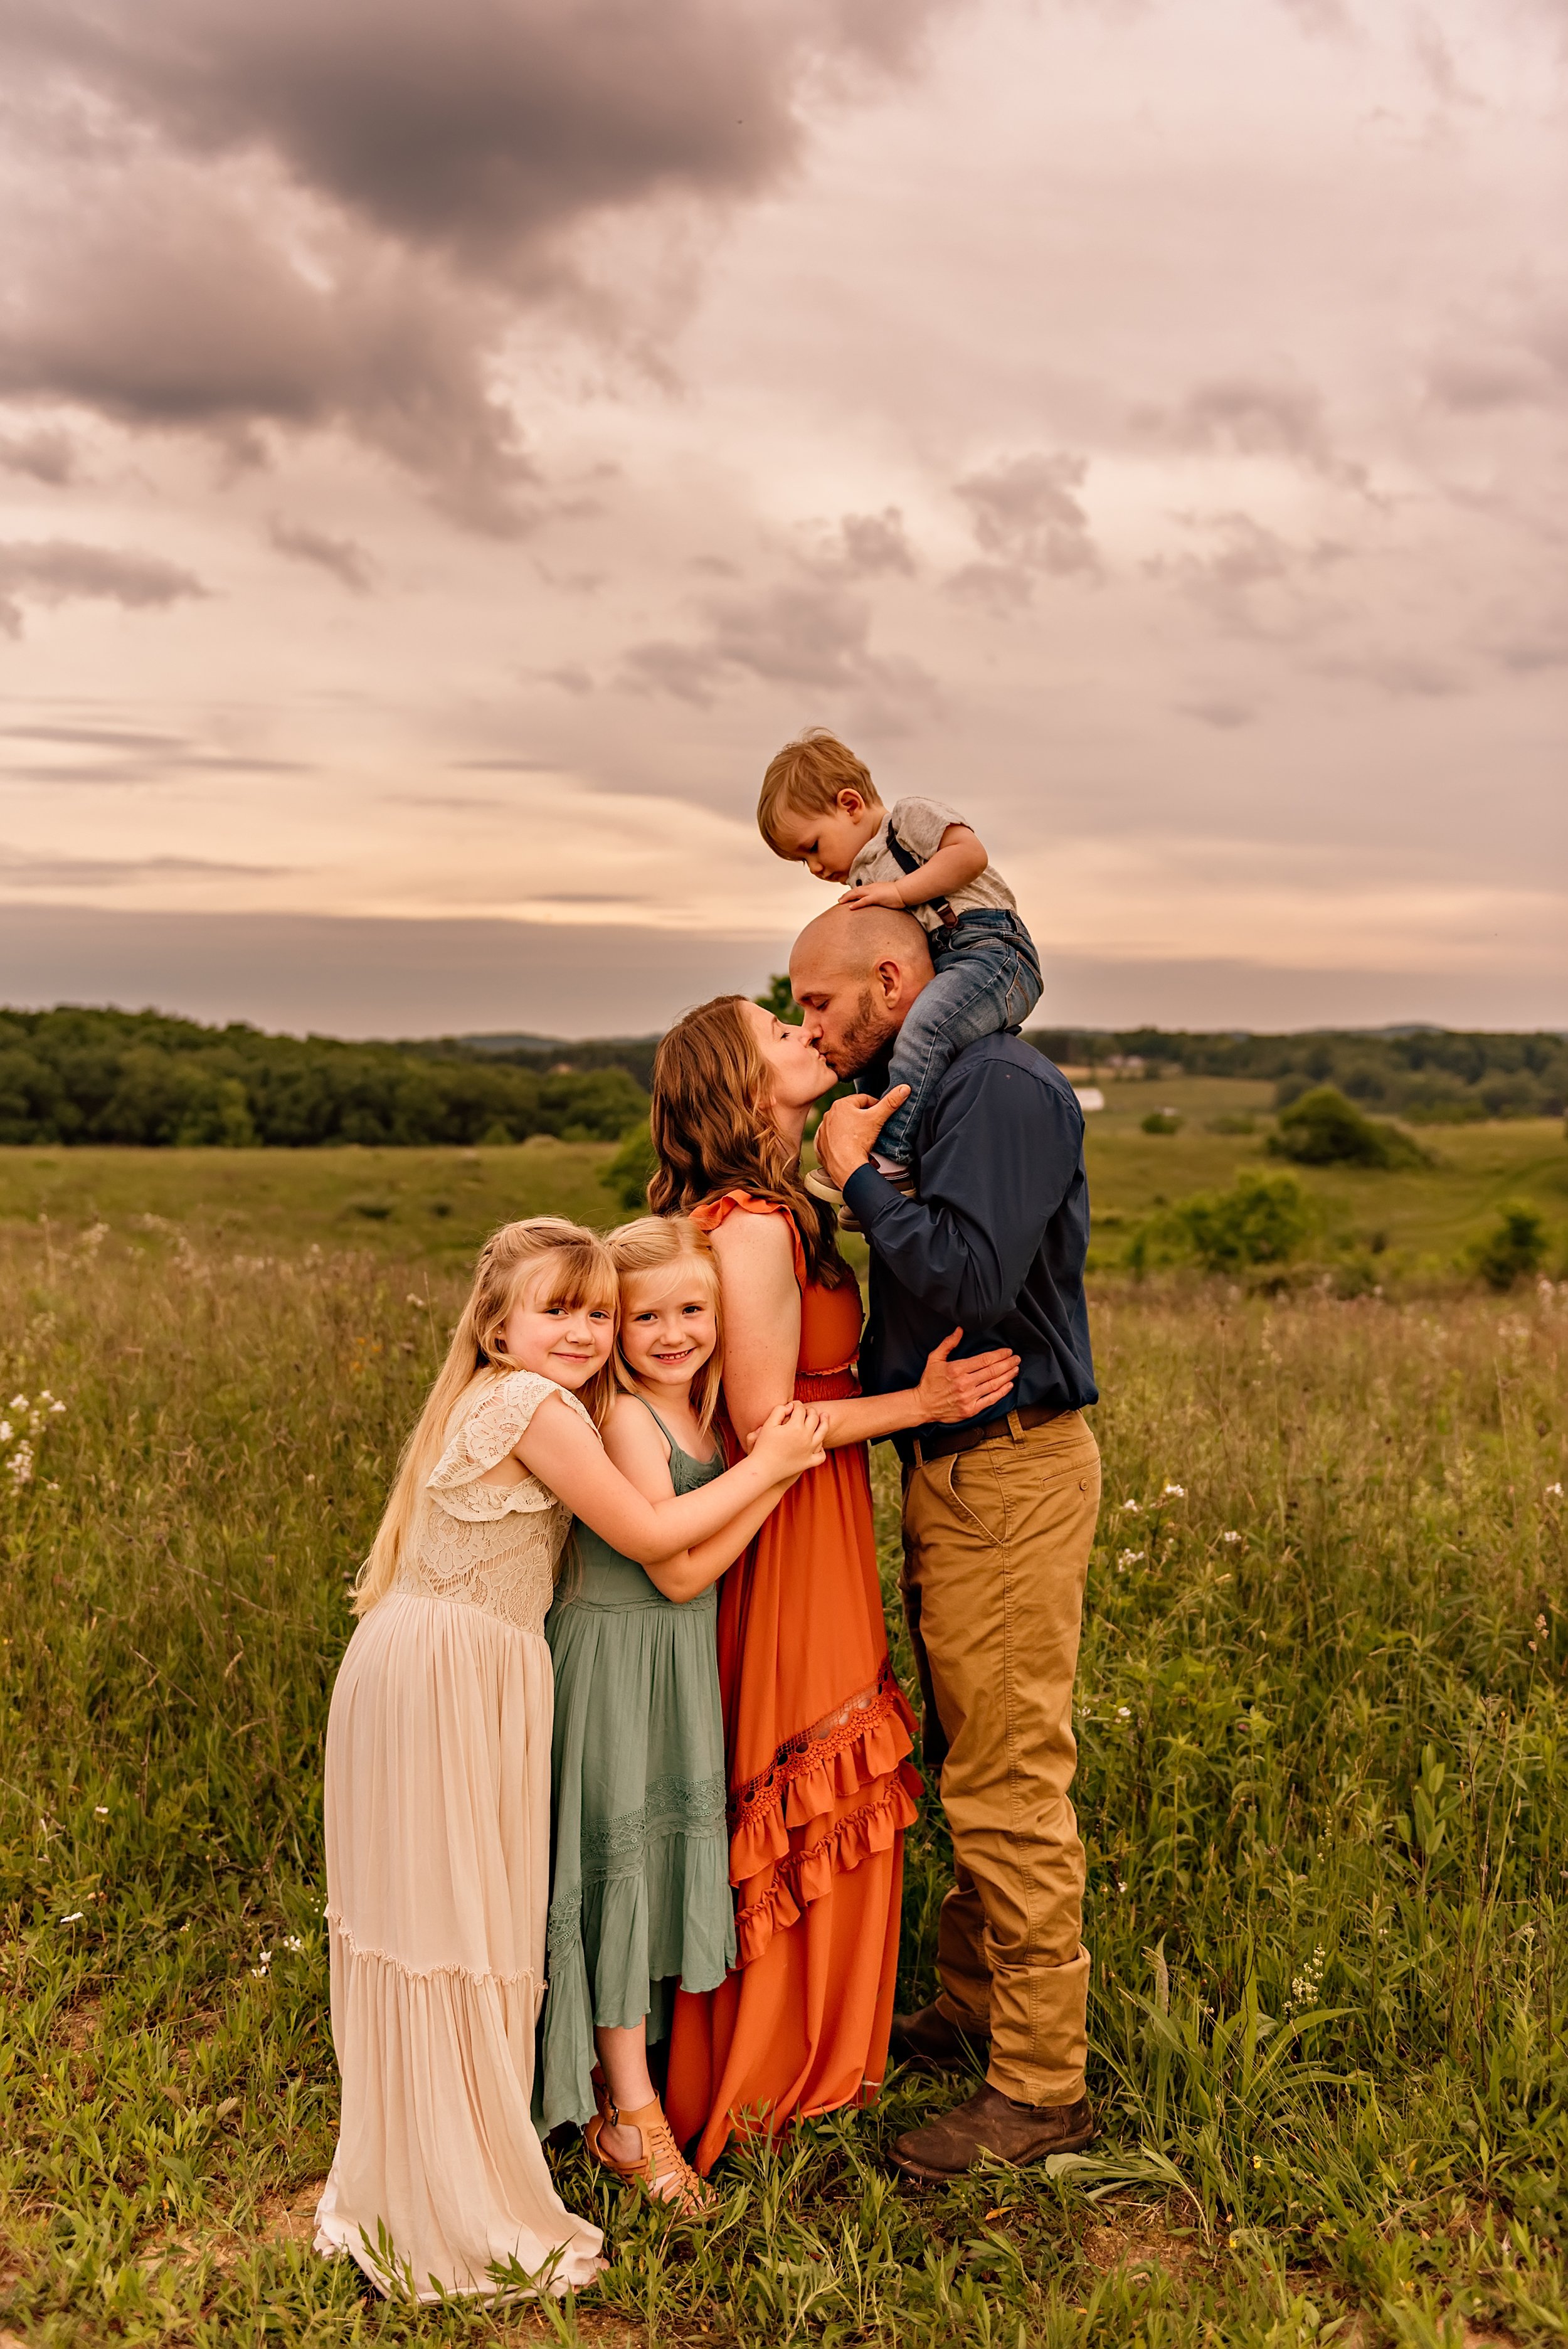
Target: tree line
<point>73,1075</point>
<point>91,1076</point>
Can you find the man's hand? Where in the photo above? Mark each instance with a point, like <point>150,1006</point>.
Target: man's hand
<point>848,1133</point>
<point>875,892</point>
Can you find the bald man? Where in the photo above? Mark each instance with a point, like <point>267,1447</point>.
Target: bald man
<point>998,1518</point>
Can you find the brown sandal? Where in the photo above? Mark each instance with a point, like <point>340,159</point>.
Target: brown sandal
<point>661,2160</point>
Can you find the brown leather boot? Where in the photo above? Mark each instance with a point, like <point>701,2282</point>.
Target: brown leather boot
<point>989,2122</point>
<point>928,2042</point>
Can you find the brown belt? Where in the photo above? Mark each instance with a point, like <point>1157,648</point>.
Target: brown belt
<point>964,1439</point>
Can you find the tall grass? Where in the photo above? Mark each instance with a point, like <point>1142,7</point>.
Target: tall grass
<point>1323,1782</point>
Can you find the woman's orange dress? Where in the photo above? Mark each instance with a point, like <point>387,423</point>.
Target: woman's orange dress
<point>817,1746</point>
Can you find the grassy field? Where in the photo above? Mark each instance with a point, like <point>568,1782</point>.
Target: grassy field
<point>435,1205</point>
<point>1323,1782</point>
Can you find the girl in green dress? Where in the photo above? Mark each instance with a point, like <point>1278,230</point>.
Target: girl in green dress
<point>640,1895</point>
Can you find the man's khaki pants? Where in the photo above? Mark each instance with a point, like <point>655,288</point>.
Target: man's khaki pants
<point>997,1545</point>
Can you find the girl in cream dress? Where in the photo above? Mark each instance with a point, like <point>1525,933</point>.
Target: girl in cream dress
<point>437,1774</point>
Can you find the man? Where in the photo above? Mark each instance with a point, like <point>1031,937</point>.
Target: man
<point>998,1519</point>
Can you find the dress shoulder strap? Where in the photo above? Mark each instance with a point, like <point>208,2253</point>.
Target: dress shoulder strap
<point>669,1439</point>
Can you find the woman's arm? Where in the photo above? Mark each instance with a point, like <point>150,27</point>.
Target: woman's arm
<point>762,1344</point>
<point>565,1452</point>
<point>638,1448</point>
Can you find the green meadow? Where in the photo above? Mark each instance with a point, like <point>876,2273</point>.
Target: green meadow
<point>1324,1775</point>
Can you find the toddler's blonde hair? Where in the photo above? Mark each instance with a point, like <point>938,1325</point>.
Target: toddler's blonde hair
<point>652,1243</point>
<point>573,1268</point>
<point>807,776</point>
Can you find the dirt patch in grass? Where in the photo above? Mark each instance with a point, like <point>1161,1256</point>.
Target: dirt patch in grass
<point>1142,2239</point>
<point>77,2026</point>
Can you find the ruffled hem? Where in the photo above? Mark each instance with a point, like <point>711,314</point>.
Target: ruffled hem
<point>806,1872</point>
<point>815,1772</point>
<point>610,1946</point>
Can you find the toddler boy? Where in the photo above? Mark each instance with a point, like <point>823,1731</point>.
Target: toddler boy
<point>820,808</point>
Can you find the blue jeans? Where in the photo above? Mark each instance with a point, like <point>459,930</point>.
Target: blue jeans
<point>988,979</point>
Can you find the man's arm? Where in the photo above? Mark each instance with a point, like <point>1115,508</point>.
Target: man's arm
<point>1001,1156</point>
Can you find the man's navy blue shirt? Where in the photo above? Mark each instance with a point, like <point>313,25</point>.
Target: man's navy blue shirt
<point>997,1239</point>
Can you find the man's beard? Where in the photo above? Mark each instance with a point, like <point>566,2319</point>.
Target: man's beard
<point>868,1034</point>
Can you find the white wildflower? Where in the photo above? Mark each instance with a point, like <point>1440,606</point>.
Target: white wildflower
<point>412,1299</point>
<point>20,1464</point>
<point>1306,1986</point>
<point>100,1810</point>
<point>265,1956</point>
<point>1553,1492</point>
<point>53,1401</point>
<point>293,1944</point>
<point>1130,1509</point>
<point>1174,1492</point>
<point>1124,1713</point>
<point>75,1918</point>
<point>18,1403</point>
<point>1230,1538</point>
<point>1130,1558</point>
<point>7,1431</point>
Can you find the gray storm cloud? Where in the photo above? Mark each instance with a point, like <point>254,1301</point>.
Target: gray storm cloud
<point>300,216</point>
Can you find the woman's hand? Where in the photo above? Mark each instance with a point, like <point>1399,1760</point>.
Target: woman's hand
<point>788,1443</point>
<point>951,1391</point>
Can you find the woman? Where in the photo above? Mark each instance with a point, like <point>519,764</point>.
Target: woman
<point>817,1731</point>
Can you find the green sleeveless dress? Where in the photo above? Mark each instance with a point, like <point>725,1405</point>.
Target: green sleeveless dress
<point>640,1900</point>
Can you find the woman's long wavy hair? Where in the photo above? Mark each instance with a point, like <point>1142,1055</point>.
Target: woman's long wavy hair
<point>713,1129</point>
<point>563,1265</point>
<point>652,1245</point>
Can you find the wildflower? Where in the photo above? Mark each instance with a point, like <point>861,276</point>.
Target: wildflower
<point>412,1299</point>
<point>55,1403</point>
<point>1124,1713</point>
<point>20,1464</point>
<point>75,1918</point>
<point>1306,1986</point>
<point>1230,1538</point>
<point>1554,1492</point>
<point>1257,2161</point>
<point>1130,1509</point>
<point>5,1430</point>
<point>1130,1558</point>
<point>1174,1492</point>
<point>18,1403</point>
<point>293,1944</point>
<point>100,1810</point>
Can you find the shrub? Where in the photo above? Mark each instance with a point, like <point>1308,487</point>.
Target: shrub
<point>631,1170</point>
<point>1515,1246</point>
<point>1261,1219</point>
<point>1321,1128</point>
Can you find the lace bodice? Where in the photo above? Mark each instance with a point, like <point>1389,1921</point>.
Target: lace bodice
<point>490,1546</point>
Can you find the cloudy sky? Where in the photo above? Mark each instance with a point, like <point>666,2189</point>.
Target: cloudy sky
<point>444,450</point>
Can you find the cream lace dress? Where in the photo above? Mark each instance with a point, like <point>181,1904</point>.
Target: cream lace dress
<point>438,1870</point>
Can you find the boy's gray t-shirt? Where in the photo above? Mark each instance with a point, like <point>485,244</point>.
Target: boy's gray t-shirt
<point>920,824</point>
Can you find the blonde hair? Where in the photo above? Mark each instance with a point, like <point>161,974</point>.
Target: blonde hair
<point>652,1243</point>
<point>806,777</point>
<point>712,1122</point>
<point>577,1271</point>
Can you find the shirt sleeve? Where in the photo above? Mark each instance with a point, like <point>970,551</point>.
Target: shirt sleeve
<point>1002,1155</point>
<point>920,824</point>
